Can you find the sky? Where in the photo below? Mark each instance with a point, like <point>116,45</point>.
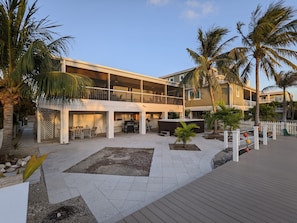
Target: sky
<point>148,37</point>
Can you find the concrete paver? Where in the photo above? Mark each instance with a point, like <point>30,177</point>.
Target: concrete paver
<point>111,197</point>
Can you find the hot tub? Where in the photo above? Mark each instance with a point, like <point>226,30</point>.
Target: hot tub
<point>171,124</point>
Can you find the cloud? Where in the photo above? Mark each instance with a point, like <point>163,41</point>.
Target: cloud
<point>197,9</point>
<point>158,2</point>
<point>190,14</point>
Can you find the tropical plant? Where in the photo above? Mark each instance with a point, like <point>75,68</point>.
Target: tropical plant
<point>230,117</point>
<point>268,43</point>
<point>28,53</point>
<point>284,80</point>
<point>211,60</point>
<point>185,132</point>
<point>267,112</point>
<point>209,120</point>
<point>33,165</point>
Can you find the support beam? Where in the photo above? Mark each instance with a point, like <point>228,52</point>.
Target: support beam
<point>142,123</point>
<point>164,115</point>
<point>64,130</point>
<point>110,124</point>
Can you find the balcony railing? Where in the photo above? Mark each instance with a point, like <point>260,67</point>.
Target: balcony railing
<point>262,100</point>
<point>249,103</point>
<point>95,93</point>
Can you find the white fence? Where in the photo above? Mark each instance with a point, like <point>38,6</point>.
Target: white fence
<point>236,139</point>
<point>290,126</point>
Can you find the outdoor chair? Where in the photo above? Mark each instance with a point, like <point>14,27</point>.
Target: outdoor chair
<point>285,133</point>
<point>130,128</point>
<point>93,131</point>
<point>79,133</point>
<point>87,132</point>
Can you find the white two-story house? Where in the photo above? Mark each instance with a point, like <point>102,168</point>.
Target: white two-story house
<point>117,96</point>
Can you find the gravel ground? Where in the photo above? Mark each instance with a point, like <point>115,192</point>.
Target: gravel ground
<point>70,211</point>
<point>41,211</point>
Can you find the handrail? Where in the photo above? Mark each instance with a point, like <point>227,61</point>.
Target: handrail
<point>97,93</point>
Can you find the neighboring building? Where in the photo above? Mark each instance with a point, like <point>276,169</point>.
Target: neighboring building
<point>277,96</point>
<point>233,95</point>
<point>116,97</point>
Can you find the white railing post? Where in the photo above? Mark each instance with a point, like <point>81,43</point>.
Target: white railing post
<point>264,134</point>
<point>256,137</point>
<point>226,143</point>
<point>282,128</point>
<point>274,131</point>
<point>238,136</point>
<point>235,145</point>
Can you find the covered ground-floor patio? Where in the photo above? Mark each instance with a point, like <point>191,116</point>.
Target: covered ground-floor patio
<point>89,118</point>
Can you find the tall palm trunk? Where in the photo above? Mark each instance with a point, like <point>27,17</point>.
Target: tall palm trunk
<point>7,127</point>
<point>212,99</point>
<point>257,113</point>
<point>284,118</point>
<point>214,108</point>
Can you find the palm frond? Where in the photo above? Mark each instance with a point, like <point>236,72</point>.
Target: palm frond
<point>59,85</point>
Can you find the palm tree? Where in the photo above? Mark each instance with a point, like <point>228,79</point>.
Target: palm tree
<point>230,117</point>
<point>267,43</point>
<point>284,80</point>
<point>28,51</point>
<point>185,132</point>
<point>210,58</point>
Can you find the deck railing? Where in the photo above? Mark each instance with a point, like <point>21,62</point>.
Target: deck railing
<point>95,93</point>
<point>241,139</point>
<point>290,126</point>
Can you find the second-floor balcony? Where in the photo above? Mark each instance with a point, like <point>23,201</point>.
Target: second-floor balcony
<point>249,103</point>
<point>96,93</point>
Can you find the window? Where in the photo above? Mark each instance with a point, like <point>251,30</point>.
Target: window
<point>171,79</point>
<point>181,77</point>
<point>192,95</point>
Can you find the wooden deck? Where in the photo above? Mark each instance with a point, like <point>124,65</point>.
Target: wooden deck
<point>261,187</point>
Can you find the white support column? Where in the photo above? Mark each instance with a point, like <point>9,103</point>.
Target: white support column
<point>164,115</point>
<point>142,122</point>
<point>226,143</point>
<point>64,130</point>
<point>38,117</point>
<point>235,145</point>
<point>256,137</point>
<point>274,131</point>
<point>110,124</point>
<point>264,127</point>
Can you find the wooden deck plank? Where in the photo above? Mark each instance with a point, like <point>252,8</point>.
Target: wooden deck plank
<point>151,216</point>
<point>261,187</point>
<point>239,201</point>
<point>129,219</point>
<point>163,205</point>
<point>141,218</point>
<point>197,214</point>
<point>217,211</point>
<point>286,202</point>
<point>180,208</point>
<point>163,215</point>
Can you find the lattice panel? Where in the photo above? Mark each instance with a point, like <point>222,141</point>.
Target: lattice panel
<point>47,124</point>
